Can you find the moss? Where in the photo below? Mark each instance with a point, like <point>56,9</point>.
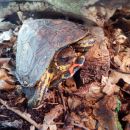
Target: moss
<point>119,127</point>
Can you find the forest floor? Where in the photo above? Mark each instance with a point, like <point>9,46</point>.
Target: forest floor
<point>97,97</point>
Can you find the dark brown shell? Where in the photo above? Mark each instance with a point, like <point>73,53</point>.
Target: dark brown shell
<point>38,40</point>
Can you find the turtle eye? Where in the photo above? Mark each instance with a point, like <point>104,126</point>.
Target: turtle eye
<point>64,59</point>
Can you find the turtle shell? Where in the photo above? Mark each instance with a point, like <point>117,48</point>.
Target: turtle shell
<point>38,40</point>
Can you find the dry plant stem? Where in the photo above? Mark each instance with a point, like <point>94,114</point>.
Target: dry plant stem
<point>62,98</point>
<point>78,125</point>
<point>125,91</point>
<point>23,115</point>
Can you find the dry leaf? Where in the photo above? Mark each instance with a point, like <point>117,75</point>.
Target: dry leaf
<point>123,60</point>
<point>90,91</point>
<point>112,102</point>
<point>91,105</point>
<point>104,115</point>
<point>127,118</point>
<point>120,38</point>
<point>20,100</point>
<point>126,88</point>
<point>49,118</point>
<point>115,76</point>
<point>97,63</point>
<point>6,86</point>
<point>90,123</point>
<point>6,81</point>
<point>75,118</point>
<point>109,88</point>
<point>32,127</point>
<point>6,25</point>
<point>4,61</point>
<point>127,126</point>
<point>6,36</point>
<point>69,127</point>
<point>73,102</point>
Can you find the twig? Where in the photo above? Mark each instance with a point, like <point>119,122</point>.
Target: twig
<point>3,116</point>
<point>125,91</point>
<point>36,108</point>
<point>79,125</point>
<point>62,98</point>
<point>24,115</point>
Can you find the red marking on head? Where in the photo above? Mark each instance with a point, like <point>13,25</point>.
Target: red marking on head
<point>71,69</point>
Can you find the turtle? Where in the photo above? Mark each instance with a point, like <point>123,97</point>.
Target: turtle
<point>40,43</point>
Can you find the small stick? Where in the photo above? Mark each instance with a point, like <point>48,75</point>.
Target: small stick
<point>78,125</point>
<point>23,115</point>
<point>125,91</point>
<point>62,98</point>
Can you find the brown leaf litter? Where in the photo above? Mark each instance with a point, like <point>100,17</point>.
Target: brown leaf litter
<point>90,100</point>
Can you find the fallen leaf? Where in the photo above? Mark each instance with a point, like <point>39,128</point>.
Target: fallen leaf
<point>5,26</point>
<point>73,102</point>
<point>127,126</point>
<point>127,118</point>
<point>119,37</point>
<point>6,36</point>
<point>6,86</point>
<point>49,118</point>
<point>115,76</point>
<point>69,127</point>
<point>109,88</point>
<point>6,81</point>
<point>126,88</point>
<point>90,123</point>
<point>123,61</point>
<point>112,103</point>
<point>4,61</point>
<point>90,91</point>
<point>75,118</point>
<point>105,116</point>
<point>32,127</point>
<point>20,100</point>
<point>97,63</point>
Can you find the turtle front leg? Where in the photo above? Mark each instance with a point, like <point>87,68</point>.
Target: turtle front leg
<point>41,88</point>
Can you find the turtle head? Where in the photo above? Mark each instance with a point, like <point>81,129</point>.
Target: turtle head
<point>64,58</point>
